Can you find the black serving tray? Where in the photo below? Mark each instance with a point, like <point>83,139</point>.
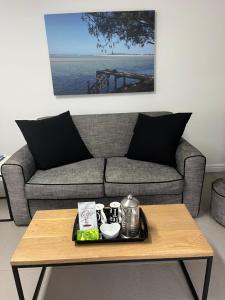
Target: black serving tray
<point>143,233</point>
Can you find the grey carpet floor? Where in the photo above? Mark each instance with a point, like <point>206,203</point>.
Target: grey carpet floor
<point>141,281</point>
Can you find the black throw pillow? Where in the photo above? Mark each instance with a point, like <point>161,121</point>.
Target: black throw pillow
<point>54,141</point>
<point>155,139</point>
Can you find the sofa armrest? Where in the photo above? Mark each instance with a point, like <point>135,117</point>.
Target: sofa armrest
<point>16,171</point>
<point>191,164</point>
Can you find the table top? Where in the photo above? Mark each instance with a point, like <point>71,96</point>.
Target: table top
<point>173,234</point>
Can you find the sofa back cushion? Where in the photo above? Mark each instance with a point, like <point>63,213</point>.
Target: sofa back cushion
<point>108,135</point>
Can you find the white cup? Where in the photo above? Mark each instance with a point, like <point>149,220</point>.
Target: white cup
<point>99,208</point>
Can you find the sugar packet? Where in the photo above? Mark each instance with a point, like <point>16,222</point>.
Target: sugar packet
<point>87,235</point>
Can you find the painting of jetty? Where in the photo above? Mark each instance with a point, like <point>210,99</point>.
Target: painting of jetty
<point>101,52</point>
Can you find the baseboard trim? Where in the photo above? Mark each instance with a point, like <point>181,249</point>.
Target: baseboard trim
<point>215,168</point>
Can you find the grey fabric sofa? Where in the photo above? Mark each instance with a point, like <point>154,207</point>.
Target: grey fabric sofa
<point>107,176</point>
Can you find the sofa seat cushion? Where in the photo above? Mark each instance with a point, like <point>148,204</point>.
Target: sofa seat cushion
<point>82,179</point>
<point>125,176</point>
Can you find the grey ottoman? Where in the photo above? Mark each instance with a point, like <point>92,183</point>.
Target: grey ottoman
<point>218,200</point>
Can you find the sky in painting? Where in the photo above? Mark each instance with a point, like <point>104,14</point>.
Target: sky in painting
<point>68,34</point>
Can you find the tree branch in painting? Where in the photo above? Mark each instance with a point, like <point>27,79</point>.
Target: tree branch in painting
<point>132,28</point>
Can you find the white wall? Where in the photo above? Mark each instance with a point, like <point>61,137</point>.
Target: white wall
<point>190,68</point>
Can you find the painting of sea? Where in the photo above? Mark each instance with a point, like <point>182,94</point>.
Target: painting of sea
<point>101,52</point>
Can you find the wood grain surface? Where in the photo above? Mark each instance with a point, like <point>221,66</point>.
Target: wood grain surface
<point>173,234</point>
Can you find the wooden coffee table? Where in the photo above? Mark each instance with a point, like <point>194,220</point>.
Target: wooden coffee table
<point>174,235</point>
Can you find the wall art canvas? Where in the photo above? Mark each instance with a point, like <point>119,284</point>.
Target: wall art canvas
<point>101,52</point>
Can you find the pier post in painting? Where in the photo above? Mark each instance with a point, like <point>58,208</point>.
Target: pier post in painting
<point>115,82</point>
<point>107,85</point>
<point>124,81</point>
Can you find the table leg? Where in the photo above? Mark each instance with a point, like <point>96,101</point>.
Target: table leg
<point>207,278</point>
<point>206,281</point>
<point>36,292</point>
<point>19,285</point>
<point>188,279</point>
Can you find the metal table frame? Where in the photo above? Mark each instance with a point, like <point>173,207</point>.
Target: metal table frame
<point>204,296</point>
